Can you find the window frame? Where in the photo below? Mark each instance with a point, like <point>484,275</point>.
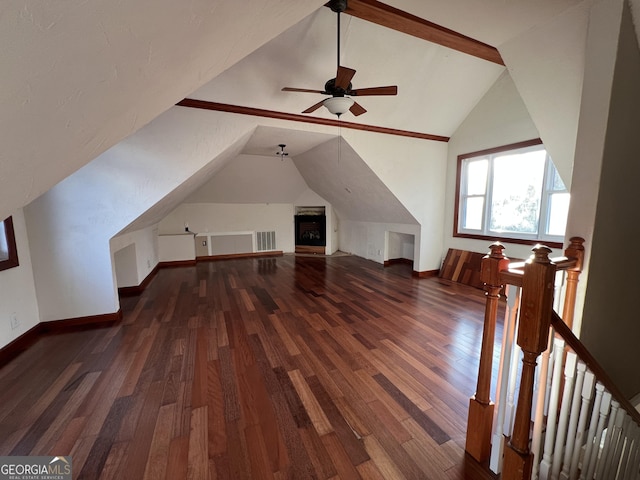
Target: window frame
<point>12,260</point>
<point>550,241</point>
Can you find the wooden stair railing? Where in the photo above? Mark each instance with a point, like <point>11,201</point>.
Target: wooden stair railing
<point>478,443</point>
<point>561,328</point>
<point>536,306</point>
<point>537,276</point>
<point>571,421</point>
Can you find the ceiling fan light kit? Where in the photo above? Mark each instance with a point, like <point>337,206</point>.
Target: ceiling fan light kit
<point>282,153</point>
<point>338,105</point>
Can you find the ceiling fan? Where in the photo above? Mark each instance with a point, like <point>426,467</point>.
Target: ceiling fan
<point>340,87</point>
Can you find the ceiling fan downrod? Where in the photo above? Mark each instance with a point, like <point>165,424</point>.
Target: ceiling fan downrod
<point>338,6</point>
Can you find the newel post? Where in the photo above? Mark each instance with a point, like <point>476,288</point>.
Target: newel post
<point>533,333</point>
<point>574,250</point>
<point>478,443</point>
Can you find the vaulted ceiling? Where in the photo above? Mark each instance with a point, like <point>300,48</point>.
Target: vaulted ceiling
<point>79,78</point>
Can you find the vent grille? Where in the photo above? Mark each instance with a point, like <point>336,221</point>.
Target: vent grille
<point>265,241</point>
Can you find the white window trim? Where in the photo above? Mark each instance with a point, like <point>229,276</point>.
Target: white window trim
<point>484,232</point>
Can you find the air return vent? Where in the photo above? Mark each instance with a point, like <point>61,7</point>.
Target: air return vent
<point>265,241</point>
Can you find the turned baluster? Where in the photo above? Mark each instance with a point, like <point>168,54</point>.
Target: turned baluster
<point>533,335</point>
<point>478,443</point>
<point>574,250</point>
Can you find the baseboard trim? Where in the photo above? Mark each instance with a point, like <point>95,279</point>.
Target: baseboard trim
<point>426,273</point>
<point>232,256</point>
<point>138,289</point>
<point>397,261</point>
<point>20,344</point>
<point>177,263</point>
<point>28,338</point>
<point>92,321</point>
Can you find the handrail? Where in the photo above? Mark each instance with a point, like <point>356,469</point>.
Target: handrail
<point>536,279</point>
<point>562,263</point>
<point>579,348</point>
<point>588,396</point>
<point>515,271</point>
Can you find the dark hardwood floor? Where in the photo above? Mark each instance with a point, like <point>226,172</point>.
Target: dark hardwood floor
<point>290,367</point>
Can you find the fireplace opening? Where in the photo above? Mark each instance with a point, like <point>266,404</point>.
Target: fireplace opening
<point>311,230</point>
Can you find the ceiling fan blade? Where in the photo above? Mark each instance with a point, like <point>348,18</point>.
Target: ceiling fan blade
<point>357,109</point>
<point>313,108</point>
<point>343,77</point>
<point>361,92</point>
<point>303,90</point>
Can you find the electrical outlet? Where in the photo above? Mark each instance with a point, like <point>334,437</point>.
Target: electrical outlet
<point>204,243</point>
<point>13,320</point>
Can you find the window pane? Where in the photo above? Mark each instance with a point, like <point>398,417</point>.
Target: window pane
<point>517,188</point>
<point>473,213</point>
<point>477,177</point>
<point>556,182</point>
<point>4,247</point>
<point>558,213</point>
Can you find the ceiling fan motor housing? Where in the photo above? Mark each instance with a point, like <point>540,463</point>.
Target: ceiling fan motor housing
<point>338,6</point>
<point>331,89</point>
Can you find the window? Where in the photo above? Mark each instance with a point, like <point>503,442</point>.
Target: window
<point>8,250</point>
<point>512,192</point>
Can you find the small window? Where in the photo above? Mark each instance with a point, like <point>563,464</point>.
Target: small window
<point>8,250</point>
<point>512,192</point>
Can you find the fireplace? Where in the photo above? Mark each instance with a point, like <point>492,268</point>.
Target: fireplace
<point>311,230</point>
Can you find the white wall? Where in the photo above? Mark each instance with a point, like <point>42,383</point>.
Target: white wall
<point>369,240</point>
<point>547,65</point>
<point>501,118</point>
<point>602,45</point>
<point>17,291</point>
<point>400,245</point>
<point>124,263</point>
<point>415,171</point>
<point>144,244</point>
<point>176,248</point>
<point>210,218</point>
<point>610,327</point>
<point>71,225</point>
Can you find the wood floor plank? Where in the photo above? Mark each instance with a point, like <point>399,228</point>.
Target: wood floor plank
<point>113,464</point>
<point>318,417</point>
<point>295,367</point>
<point>381,459</point>
<point>178,458</point>
<point>63,414</point>
<point>156,465</point>
<point>198,465</point>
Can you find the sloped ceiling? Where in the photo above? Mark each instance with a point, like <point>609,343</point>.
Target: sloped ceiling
<point>79,77</point>
<point>335,171</point>
<point>172,199</point>
<point>326,164</point>
<point>437,86</point>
